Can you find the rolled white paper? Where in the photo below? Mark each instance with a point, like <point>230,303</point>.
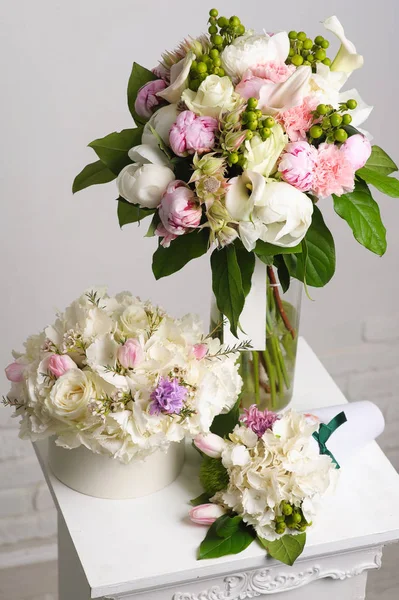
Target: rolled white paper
<point>365,422</point>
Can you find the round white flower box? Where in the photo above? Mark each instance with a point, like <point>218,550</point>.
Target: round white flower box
<point>105,477</point>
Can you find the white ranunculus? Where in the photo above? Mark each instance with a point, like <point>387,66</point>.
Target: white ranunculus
<point>144,184</point>
<point>347,59</point>
<point>326,84</point>
<point>251,49</point>
<point>161,121</point>
<point>70,395</point>
<point>215,95</point>
<point>178,79</point>
<point>278,97</point>
<point>286,212</point>
<point>261,155</point>
<point>148,154</point>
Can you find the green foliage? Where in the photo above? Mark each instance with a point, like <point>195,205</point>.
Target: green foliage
<point>224,424</point>
<point>213,475</point>
<point>362,214</point>
<point>380,162</point>
<point>131,213</point>
<point>246,263</point>
<point>201,499</point>
<point>282,272</point>
<point>167,261</point>
<point>113,148</point>
<point>263,248</point>
<point>138,77</point>
<point>227,535</point>
<point>227,284</point>
<point>92,174</point>
<point>287,548</point>
<point>383,183</point>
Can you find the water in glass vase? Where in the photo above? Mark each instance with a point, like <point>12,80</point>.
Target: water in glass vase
<point>268,374</point>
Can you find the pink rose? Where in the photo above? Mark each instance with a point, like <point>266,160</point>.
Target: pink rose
<point>200,350</point>
<point>333,173</point>
<point>297,165</point>
<point>178,212</point>
<point>357,150</point>
<point>147,99</point>
<point>256,77</point>
<point>130,354</point>
<point>15,372</point>
<point>59,364</point>
<point>192,133</point>
<point>206,514</point>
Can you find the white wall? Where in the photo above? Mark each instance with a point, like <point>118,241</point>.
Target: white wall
<point>65,67</point>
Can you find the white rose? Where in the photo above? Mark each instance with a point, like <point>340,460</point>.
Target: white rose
<point>144,184</point>
<point>70,395</point>
<point>133,320</point>
<point>262,156</point>
<point>161,121</point>
<point>250,50</point>
<point>347,59</point>
<point>214,96</point>
<point>286,212</point>
<point>178,79</point>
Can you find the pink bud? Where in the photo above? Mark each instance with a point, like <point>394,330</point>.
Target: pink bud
<point>15,372</point>
<point>147,99</point>
<point>59,364</point>
<point>178,211</point>
<point>357,150</point>
<point>200,350</point>
<point>130,354</point>
<point>206,514</point>
<point>191,133</point>
<point>210,444</point>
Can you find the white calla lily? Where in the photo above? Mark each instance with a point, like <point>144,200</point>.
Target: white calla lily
<point>362,111</point>
<point>326,84</point>
<point>347,59</point>
<point>178,79</point>
<point>278,97</point>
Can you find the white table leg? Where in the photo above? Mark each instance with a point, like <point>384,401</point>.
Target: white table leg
<point>72,582</point>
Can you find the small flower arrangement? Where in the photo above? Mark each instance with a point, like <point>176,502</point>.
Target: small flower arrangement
<point>240,139</point>
<point>265,481</point>
<point>121,377</point>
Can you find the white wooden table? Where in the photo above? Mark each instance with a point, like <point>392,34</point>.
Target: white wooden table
<point>145,549</point>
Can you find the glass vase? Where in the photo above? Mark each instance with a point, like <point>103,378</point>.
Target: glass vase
<point>268,375</point>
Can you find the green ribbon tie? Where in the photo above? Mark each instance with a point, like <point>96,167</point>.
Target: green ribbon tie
<point>325,431</point>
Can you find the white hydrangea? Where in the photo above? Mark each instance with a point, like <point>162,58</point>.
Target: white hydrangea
<point>107,407</point>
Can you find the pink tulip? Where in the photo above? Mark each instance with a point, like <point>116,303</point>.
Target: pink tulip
<point>178,212</point>
<point>357,150</point>
<point>59,364</point>
<point>210,444</point>
<point>200,350</point>
<point>147,99</point>
<point>130,354</point>
<point>297,165</point>
<point>15,372</point>
<point>192,133</point>
<point>206,514</point>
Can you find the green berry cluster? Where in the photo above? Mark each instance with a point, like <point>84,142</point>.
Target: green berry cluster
<point>332,122</point>
<point>291,518</point>
<point>305,51</point>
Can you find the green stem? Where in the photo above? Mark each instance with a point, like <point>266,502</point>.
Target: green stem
<point>272,378</point>
<point>273,347</point>
<point>255,361</point>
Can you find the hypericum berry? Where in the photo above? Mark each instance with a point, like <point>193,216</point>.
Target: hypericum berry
<point>265,133</point>
<point>212,29</point>
<point>242,161</point>
<point>307,44</point>
<point>221,72</point>
<point>233,158</point>
<point>311,58</point>
<point>316,131</point>
<point>319,40</point>
<point>202,67</point>
<point>320,54</point>
<point>326,123</point>
<point>280,519</point>
<point>259,114</point>
<point>240,30</point>
<point>297,60</point>
<point>194,84</point>
<point>335,120</point>
<point>325,44</point>
<point>286,509</point>
<point>346,119</point>
<point>297,518</point>
<point>223,22</point>
<point>214,53</point>
<point>253,125</point>
<point>351,104</point>
<point>252,103</point>
<point>213,12</point>
<point>251,116</point>
<point>217,62</point>
<point>326,62</point>
<point>340,135</point>
<point>322,109</point>
<point>249,134</point>
<point>217,40</point>
<point>280,528</point>
<point>302,36</point>
<point>234,21</point>
<point>269,122</point>
<point>292,35</point>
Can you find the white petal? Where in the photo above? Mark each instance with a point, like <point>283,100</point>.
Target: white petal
<point>178,76</point>
<point>361,112</point>
<point>281,46</point>
<point>347,59</point>
<point>275,97</point>
<point>144,153</point>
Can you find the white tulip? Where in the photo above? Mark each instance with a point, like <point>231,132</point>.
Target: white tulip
<point>144,184</point>
<point>286,212</point>
<point>347,59</point>
<point>178,79</point>
<point>262,155</point>
<point>161,121</point>
<point>214,96</point>
<point>251,49</point>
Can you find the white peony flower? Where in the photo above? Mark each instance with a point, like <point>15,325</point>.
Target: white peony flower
<point>161,121</point>
<point>148,154</point>
<point>251,49</point>
<point>347,59</point>
<point>215,95</point>
<point>144,185</point>
<point>261,155</point>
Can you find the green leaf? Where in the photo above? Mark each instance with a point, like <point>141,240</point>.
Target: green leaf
<point>166,261</point>
<point>263,248</point>
<point>131,213</point>
<point>153,225</point>
<point>287,548</point>
<point>282,272</point>
<point>383,183</point>
<point>239,538</point>
<point>362,214</point>
<point>224,424</point>
<point>201,499</point>
<point>227,284</point>
<point>138,77</point>
<point>246,262</point>
<point>92,174</point>
<point>267,260</point>
<point>227,525</point>
<point>318,264</point>
<point>380,161</point>
<point>113,148</point>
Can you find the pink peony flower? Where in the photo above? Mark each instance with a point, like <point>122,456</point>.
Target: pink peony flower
<point>333,173</point>
<point>357,150</point>
<point>297,165</point>
<point>255,77</point>
<point>59,364</point>
<point>178,212</point>
<point>206,514</point>
<point>298,120</point>
<point>147,99</point>
<point>130,354</point>
<point>191,133</point>
<point>200,350</point>
<point>15,372</point>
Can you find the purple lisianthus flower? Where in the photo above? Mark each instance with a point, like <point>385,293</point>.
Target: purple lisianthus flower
<point>257,420</point>
<point>168,397</point>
